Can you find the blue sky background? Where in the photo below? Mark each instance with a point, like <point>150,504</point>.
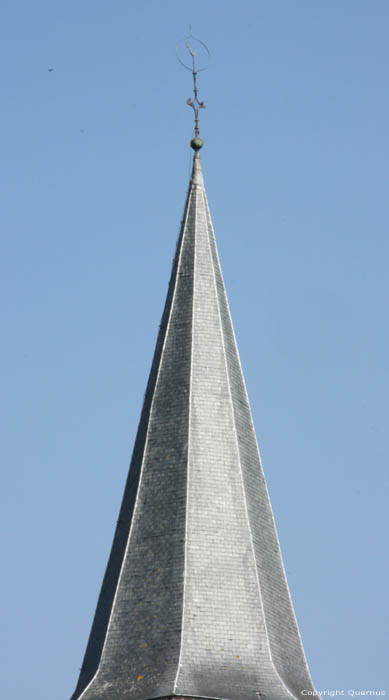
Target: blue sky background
<point>94,170</point>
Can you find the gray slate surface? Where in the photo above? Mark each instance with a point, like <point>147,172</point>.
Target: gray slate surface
<point>194,601</point>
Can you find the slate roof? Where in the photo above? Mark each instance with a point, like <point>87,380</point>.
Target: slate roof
<point>195,601</point>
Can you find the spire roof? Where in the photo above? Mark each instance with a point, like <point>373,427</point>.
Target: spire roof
<point>195,601</point>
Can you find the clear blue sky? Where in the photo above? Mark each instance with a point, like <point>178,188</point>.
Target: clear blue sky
<point>94,170</point>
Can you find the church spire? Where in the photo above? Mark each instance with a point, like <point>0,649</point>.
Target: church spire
<point>194,601</point>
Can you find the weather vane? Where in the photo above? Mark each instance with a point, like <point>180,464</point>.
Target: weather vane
<point>199,60</point>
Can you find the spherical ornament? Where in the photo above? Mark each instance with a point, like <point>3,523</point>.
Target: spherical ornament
<point>197,143</point>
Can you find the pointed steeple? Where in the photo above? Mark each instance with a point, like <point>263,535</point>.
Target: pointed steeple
<point>195,601</point>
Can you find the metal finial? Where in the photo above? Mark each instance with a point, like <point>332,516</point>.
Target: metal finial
<point>192,47</point>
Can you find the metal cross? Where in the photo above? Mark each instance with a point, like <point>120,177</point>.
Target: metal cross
<point>195,103</point>
<point>195,64</point>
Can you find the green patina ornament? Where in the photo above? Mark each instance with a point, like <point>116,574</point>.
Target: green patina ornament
<point>197,143</point>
